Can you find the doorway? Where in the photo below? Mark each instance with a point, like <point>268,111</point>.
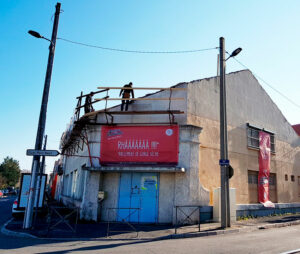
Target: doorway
<point>138,190</point>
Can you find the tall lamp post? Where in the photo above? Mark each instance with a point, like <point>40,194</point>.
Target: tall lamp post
<point>42,119</point>
<point>224,161</point>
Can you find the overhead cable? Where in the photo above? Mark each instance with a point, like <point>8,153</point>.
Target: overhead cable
<point>265,82</point>
<point>137,51</point>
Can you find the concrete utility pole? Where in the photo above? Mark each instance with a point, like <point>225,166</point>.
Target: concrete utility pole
<point>39,182</point>
<point>42,122</point>
<point>225,202</point>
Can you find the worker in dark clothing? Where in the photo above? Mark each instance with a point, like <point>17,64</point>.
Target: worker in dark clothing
<point>126,94</point>
<point>88,107</point>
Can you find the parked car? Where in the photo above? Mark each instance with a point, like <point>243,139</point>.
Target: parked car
<point>10,191</point>
<point>17,212</point>
<point>1,194</point>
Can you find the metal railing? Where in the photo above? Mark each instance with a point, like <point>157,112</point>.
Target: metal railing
<point>62,215</point>
<point>122,219</point>
<point>187,215</point>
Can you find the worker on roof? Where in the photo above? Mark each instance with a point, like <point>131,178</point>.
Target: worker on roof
<point>88,107</point>
<point>126,95</point>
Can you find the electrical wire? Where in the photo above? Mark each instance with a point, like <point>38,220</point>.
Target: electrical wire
<point>177,52</point>
<point>137,51</point>
<point>265,82</point>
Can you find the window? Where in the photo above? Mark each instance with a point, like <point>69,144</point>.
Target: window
<point>252,186</point>
<point>273,187</point>
<point>66,182</point>
<point>74,184</point>
<point>252,177</point>
<point>292,178</point>
<point>80,183</point>
<point>286,177</point>
<point>272,179</point>
<point>70,186</point>
<point>253,138</point>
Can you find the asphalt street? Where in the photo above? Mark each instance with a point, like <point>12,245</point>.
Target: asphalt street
<point>11,244</point>
<point>276,240</point>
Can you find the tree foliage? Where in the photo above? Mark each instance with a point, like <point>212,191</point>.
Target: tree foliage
<point>9,171</point>
<point>3,181</point>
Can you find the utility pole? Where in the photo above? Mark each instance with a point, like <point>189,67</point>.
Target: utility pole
<point>225,202</point>
<point>41,126</point>
<point>40,179</point>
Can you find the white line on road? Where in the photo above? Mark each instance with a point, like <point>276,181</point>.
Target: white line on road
<point>291,251</point>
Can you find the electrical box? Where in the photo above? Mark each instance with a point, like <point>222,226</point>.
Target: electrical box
<point>101,195</point>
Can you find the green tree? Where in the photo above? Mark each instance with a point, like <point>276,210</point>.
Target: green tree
<point>10,170</point>
<point>3,181</point>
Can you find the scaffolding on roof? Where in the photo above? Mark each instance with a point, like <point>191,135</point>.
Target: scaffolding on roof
<point>74,138</point>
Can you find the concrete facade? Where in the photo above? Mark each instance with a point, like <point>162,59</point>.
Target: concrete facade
<point>247,102</point>
<point>199,153</point>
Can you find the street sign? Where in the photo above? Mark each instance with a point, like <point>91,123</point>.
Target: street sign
<point>32,152</point>
<point>224,162</point>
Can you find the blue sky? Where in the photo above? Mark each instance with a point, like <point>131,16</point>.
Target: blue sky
<point>268,32</point>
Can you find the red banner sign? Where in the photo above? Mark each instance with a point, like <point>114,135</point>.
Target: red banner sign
<point>264,169</point>
<point>139,145</point>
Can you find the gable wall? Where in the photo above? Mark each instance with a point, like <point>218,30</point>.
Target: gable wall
<point>246,102</point>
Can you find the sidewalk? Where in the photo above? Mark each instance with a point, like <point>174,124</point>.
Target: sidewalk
<point>91,231</point>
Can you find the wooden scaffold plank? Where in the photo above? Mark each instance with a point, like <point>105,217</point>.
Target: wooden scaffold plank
<point>141,99</point>
<point>144,88</point>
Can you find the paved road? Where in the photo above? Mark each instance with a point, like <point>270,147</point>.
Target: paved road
<point>10,244</point>
<point>264,241</point>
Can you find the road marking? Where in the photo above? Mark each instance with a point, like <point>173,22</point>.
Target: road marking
<point>291,251</point>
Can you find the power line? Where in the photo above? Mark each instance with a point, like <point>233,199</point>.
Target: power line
<point>176,52</point>
<point>265,82</point>
<point>137,51</point>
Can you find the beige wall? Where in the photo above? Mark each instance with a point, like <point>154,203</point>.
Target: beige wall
<point>247,102</point>
<point>285,161</point>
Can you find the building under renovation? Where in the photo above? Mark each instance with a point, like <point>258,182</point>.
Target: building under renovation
<point>164,152</point>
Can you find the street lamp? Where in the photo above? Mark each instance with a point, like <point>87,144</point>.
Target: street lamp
<point>234,53</point>
<point>224,161</point>
<point>37,35</point>
<point>42,119</point>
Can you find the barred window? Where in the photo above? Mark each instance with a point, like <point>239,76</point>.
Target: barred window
<point>253,138</point>
<point>252,177</point>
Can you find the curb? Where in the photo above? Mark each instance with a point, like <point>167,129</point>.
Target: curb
<point>8,232</point>
<point>5,231</point>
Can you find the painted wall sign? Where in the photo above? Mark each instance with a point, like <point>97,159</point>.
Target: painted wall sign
<point>139,145</point>
<point>264,169</point>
